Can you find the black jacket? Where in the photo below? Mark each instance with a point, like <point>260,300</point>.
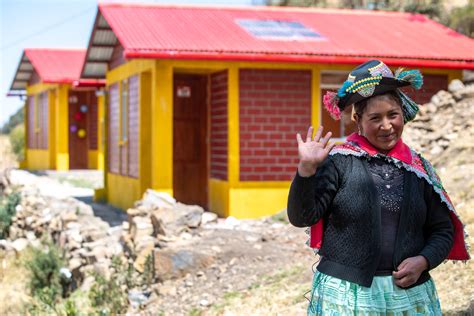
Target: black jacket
<point>343,193</point>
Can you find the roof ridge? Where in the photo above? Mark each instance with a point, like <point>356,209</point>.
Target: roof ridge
<point>254,8</point>
<point>78,49</point>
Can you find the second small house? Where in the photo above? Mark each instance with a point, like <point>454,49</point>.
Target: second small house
<point>62,113</point>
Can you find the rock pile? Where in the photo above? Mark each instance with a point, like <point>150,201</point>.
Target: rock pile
<point>444,122</point>
<point>157,220</point>
<point>89,243</point>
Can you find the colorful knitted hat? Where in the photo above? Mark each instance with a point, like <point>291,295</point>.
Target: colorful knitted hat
<point>370,79</point>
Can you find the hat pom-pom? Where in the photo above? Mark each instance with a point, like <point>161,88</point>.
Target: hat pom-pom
<point>330,101</point>
<point>414,77</point>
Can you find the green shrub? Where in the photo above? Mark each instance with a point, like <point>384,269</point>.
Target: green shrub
<point>109,295</point>
<point>17,140</point>
<point>7,212</point>
<point>45,279</point>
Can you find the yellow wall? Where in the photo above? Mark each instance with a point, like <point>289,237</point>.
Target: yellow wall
<point>41,159</point>
<point>62,128</point>
<point>123,191</point>
<point>226,198</point>
<point>58,130</point>
<point>38,159</point>
<point>93,159</point>
<point>57,156</point>
<point>219,197</point>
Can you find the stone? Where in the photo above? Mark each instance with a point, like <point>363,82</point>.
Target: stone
<point>5,245</point>
<point>155,199</point>
<point>74,266</point>
<point>87,284</point>
<point>455,85</point>
<point>208,217</point>
<point>141,226</point>
<point>20,244</point>
<point>100,252</point>
<point>68,217</point>
<point>171,263</point>
<point>102,267</point>
<point>114,249</point>
<point>158,225</point>
<point>167,290</point>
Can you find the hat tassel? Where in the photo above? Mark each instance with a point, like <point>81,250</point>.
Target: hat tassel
<point>414,77</point>
<point>410,108</point>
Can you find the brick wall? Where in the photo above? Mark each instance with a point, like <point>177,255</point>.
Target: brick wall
<point>274,106</point>
<point>219,126</point>
<point>431,85</point>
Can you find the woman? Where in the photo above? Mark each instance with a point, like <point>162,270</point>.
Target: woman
<point>376,209</point>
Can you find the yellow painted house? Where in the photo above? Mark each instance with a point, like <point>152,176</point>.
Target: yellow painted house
<point>62,113</point>
<point>204,103</point>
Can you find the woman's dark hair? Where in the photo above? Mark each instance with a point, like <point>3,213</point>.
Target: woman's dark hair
<point>360,106</point>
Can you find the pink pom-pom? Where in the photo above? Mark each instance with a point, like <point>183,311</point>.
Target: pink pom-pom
<point>330,101</point>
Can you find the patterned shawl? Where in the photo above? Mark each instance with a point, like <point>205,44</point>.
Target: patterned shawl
<point>404,158</point>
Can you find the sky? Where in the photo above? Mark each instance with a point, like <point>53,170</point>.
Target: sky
<point>53,23</point>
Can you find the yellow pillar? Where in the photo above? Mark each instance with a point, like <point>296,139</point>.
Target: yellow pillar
<point>162,128</point>
<point>145,131</point>
<point>233,122</point>
<point>100,131</point>
<point>52,134</point>
<point>24,163</point>
<point>61,127</point>
<point>316,105</point>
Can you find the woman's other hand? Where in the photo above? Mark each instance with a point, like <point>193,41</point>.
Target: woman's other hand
<point>312,152</point>
<point>410,270</point>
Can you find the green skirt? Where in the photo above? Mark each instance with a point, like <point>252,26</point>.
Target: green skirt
<point>333,296</point>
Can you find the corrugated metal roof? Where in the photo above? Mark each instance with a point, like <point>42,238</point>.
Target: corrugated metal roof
<point>56,65</point>
<point>347,36</point>
<point>53,65</point>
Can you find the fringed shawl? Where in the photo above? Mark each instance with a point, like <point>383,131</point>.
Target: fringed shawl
<point>404,158</point>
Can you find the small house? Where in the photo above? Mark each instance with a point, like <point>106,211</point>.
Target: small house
<point>204,103</point>
<point>62,113</point>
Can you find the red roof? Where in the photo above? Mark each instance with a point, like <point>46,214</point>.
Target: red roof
<point>53,65</point>
<point>348,36</point>
<point>57,65</point>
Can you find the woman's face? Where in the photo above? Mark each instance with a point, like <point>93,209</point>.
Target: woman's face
<point>381,123</point>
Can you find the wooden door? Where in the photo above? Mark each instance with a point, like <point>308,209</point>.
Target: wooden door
<point>190,161</point>
<point>80,103</point>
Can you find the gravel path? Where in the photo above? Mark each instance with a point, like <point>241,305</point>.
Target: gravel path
<point>52,183</point>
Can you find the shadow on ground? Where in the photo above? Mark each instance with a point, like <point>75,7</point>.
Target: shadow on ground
<point>112,215</point>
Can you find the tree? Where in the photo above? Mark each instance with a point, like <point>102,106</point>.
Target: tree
<point>14,120</point>
<point>462,19</point>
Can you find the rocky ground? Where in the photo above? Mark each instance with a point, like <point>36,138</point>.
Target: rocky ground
<point>209,266</point>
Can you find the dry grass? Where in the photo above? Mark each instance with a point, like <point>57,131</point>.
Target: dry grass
<point>13,290</point>
<point>280,293</point>
<point>7,158</point>
<point>455,282</point>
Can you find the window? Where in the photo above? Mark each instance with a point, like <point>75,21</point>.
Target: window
<point>124,127</point>
<point>278,30</point>
<point>124,113</point>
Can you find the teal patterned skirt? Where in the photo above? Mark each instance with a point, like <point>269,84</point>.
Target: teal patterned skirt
<point>333,296</point>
